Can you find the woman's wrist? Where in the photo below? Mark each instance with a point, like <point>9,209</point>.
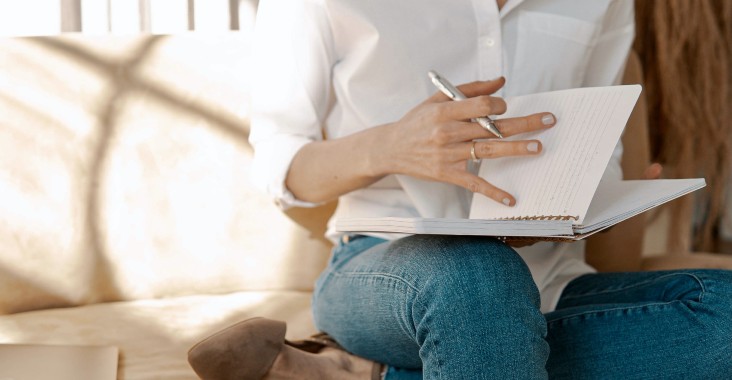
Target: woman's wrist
<point>375,145</point>
<point>324,170</point>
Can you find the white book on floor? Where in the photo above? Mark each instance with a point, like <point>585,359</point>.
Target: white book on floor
<point>559,195</point>
<point>57,362</point>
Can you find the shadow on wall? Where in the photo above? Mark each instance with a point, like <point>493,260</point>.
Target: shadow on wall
<point>83,118</point>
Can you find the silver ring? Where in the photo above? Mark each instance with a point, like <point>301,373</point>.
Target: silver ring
<point>472,153</point>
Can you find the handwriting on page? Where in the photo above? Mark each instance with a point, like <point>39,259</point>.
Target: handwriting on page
<point>558,181</point>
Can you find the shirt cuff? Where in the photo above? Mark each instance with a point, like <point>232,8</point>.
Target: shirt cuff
<point>272,160</point>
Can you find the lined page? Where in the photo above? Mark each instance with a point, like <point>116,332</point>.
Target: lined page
<point>563,178</point>
<point>616,201</point>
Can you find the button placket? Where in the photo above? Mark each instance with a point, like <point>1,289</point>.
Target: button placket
<point>490,56</point>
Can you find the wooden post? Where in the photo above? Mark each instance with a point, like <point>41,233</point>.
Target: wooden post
<point>191,15</point>
<point>145,16</point>
<point>234,14</point>
<point>70,15</point>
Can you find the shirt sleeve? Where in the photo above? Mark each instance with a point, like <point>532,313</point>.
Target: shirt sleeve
<point>607,62</point>
<point>292,60</point>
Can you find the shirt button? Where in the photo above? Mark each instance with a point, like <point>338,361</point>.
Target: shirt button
<point>489,42</point>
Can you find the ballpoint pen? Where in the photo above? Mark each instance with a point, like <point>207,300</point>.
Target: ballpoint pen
<point>453,93</point>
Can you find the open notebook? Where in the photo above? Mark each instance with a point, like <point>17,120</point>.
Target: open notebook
<point>557,192</point>
<point>57,362</point>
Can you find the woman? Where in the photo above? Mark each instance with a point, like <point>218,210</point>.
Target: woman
<point>454,307</point>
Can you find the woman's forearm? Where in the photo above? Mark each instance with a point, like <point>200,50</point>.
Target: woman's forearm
<point>324,170</point>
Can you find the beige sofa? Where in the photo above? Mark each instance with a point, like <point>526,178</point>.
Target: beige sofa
<point>126,211</point>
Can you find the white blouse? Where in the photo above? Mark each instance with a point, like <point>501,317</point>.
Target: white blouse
<point>335,67</point>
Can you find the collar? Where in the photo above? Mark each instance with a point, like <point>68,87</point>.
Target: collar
<point>509,6</point>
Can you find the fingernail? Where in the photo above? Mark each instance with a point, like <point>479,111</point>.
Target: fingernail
<point>506,201</point>
<point>548,119</point>
<point>533,147</point>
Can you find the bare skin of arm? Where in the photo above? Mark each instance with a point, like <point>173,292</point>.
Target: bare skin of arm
<point>432,141</point>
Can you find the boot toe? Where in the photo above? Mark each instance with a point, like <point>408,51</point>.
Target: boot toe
<point>243,351</point>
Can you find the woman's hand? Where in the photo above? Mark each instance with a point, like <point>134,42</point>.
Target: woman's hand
<point>434,140</point>
<point>653,171</point>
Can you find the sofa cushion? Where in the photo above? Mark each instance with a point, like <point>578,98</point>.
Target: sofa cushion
<point>124,174</point>
<point>154,335</point>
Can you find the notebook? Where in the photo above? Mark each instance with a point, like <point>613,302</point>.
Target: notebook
<point>559,194</point>
<point>57,362</point>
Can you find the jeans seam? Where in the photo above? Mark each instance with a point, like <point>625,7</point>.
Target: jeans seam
<point>378,274</point>
<point>692,275</point>
<point>611,309</point>
<point>418,299</point>
<point>381,275</point>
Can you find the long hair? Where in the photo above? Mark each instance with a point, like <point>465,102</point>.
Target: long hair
<point>686,50</point>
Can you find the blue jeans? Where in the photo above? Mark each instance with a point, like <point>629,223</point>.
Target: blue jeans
<point>440,307</point>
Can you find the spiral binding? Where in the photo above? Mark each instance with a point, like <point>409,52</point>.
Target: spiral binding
<point>534,239</point>
<point>543,217</point>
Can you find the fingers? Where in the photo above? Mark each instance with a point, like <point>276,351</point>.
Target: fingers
<point>479,185</point>
<point>473,89</point>
<point>521,242</point>
<point>495,148</point>
<point>482,87</point>
<point>471,108</point>
<point>479,104</point>
<point>484,105</point>
<point>517,125</point>
<point>465,131</point>
<point>653,171</point>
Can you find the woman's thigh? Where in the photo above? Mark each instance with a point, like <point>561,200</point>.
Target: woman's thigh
<point>419,301</point>
<point>359,300</point>
<point>643,325</point>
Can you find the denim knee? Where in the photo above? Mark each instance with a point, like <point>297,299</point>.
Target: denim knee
<point>707,294</point>
<point>419,300</point>
<point>476,270</point>
<point>717,299</point>
<point>480,299</point>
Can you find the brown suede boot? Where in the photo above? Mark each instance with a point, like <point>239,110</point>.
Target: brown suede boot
<point>256,349</point>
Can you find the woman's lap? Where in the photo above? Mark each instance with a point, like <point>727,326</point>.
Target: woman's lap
<point>414,302</point>
<point>389,304</point>
<point>670,324</point>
